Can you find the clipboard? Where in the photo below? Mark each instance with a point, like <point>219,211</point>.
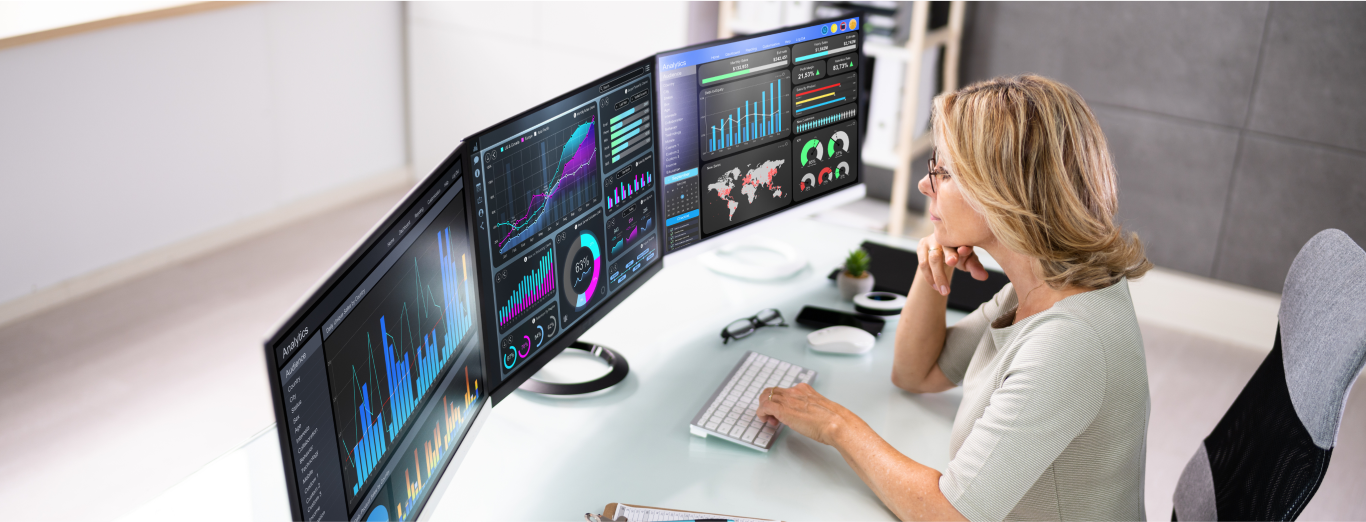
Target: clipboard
<point>610,511</point>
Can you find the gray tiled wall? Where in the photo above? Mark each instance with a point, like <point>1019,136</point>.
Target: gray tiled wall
<point>1239,129</point>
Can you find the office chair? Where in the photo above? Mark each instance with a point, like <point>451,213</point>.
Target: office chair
<point>1269,453</point>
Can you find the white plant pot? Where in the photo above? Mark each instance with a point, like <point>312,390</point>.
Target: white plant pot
<point>852,286</point>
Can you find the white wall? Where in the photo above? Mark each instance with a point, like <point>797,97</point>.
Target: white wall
<point>120,141</point>
<point>473,64</point>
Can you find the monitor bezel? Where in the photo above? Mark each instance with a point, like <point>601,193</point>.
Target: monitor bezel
<point>485,276</point>
<point>709,241</point>
<point>326,286</point>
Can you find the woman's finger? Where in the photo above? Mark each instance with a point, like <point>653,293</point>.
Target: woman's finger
<point>936,262</point>
<point>962,255</point>
<point>767,406</point>
<point>975,267</point>
<point>925,268</point>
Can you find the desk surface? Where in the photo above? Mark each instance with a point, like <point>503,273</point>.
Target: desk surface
<point>545,458</point>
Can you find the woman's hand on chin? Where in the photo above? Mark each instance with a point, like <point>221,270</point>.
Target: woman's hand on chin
<point>937,263</point>
<point>803,409</point>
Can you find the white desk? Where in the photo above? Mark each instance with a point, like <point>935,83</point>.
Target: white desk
<point>545,458</point>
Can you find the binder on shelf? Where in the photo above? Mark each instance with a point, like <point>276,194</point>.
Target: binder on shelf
<point>635,513</point>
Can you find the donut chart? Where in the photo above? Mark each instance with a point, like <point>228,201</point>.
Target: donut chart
<point>816,146</point>
<point>841,138</point>
<point>582,269</point>
<point>841,170</point>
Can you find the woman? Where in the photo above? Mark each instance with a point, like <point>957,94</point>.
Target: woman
<point>1055,389</point>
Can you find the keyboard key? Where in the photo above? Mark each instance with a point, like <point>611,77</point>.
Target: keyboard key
<point>746,418</point>
<point>749,434</point>
<point>712,425</point>
<point>756,424</point>
<point>737,431</point>
<point>762,440</point>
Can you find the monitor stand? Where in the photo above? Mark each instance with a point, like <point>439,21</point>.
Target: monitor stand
<point>619,370</point>
<point>755,260</point>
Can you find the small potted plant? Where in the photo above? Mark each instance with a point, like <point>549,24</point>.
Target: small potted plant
<point>855,278</point>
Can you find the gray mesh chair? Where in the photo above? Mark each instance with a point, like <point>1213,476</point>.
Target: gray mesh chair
<point>1269,453</point>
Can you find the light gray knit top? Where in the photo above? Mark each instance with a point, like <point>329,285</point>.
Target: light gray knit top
<point>1054,417</point>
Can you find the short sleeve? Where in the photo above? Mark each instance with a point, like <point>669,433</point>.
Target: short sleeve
<point>1051,391</point>
<point>964,336</point>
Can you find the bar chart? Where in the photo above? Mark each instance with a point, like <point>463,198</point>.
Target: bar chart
<point>397,343</point>
<point>627,133</point>
<point>525,284</point>
<point>818,120</point>
<point>440,443</point>
<point>827,93</point>
<point>623,190</point>
<point>744,114</point>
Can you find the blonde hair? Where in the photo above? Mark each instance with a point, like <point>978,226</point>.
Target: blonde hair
<point>1031,158</point>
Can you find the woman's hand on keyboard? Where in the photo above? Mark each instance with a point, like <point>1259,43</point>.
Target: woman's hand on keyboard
<point>803,409</point>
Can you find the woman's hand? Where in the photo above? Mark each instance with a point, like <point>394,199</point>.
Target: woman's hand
<point>938,262</point>
<point>804,410</point>
<point>908,488</point>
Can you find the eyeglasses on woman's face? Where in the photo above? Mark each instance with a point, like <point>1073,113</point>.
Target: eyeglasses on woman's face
<point>936,171</point>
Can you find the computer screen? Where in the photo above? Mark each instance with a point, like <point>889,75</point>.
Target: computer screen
<point>752,126</point>
<point>378,375</point>
<point>564,198</point>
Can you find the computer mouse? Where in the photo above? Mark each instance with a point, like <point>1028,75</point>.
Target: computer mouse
<point>841,339</point>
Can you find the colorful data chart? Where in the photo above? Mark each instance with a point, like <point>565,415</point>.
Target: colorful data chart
<point>572,183</point>
<point>539,283</point>
<point>752,120</point>
<point>439,445</point>
<point>625,189</point>
<point>430,357</point>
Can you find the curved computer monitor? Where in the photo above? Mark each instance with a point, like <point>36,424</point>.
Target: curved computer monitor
<point>377,376</point>
<point>758,126</point>
<point>563,198</point>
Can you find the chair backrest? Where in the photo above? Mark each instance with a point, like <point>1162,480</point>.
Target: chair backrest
<point>1270,451</point>
<point>1323,330</point>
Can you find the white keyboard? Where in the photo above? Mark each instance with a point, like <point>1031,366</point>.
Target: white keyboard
<point>729,413</point>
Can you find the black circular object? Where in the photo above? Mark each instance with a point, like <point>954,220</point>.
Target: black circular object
<point>619,370</point>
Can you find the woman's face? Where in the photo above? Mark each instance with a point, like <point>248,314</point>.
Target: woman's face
<point>955,221</point>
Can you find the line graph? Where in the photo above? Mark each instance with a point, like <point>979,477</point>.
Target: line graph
<point>392,349</point>
<point>632,224</point>
<point>542,179</point>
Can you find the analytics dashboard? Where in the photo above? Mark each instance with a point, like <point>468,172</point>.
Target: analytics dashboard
<point>565,204</point>
<point>752,126</point>
<point>381,374</point>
